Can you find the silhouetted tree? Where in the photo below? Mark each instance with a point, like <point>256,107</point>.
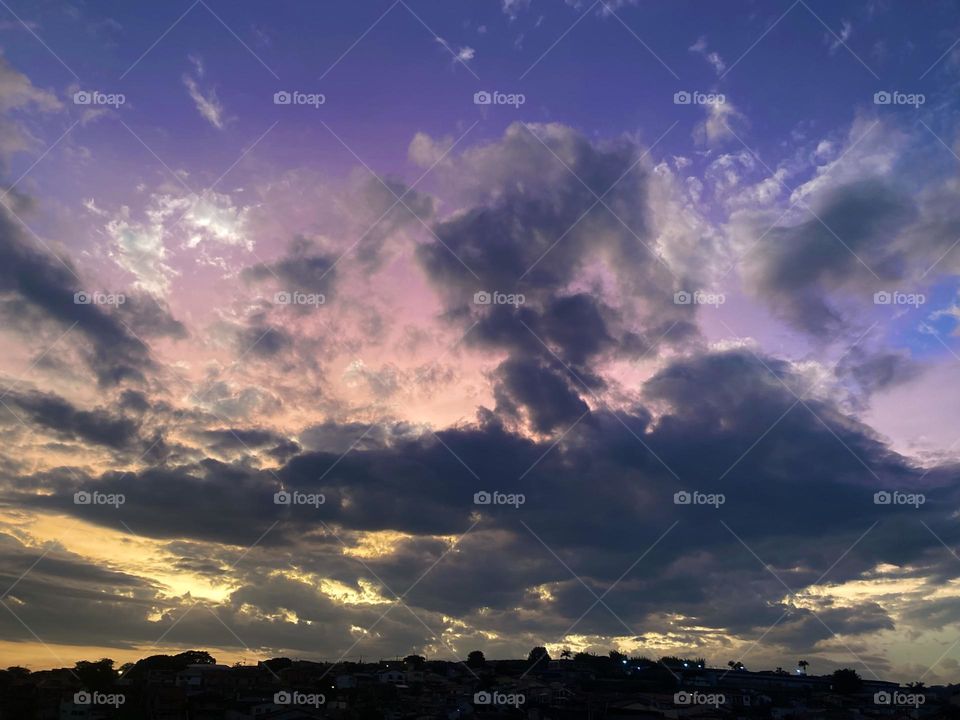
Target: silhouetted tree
<point>98,675</point>
<point>565,654</point>
<point>846,681</point>
<point>196,657</point>
<point>168,663</point>
<point>475,659</point>
<point>803,665</point>
<point>538,656</point>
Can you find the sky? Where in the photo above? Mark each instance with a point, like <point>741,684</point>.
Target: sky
<point>362,329</point>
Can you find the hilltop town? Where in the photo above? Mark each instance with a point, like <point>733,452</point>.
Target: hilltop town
<point>582,686</point>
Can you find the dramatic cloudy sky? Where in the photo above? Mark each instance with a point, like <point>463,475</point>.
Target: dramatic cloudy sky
<point>787,199</point>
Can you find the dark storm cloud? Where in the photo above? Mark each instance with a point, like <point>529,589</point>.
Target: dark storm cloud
<point>134,401</point>
<point>537,229</point>
<point>806,629</point>
<point>45,286</point>
<point>799,481</point>
<point>241,440</point>
<point>263,341</point>
<point>798,267</point>
<point>534,200</point>
<point>334,437</point>
<point>98,426</point>
<point>884,216</point>
<point>575,328</point>
<point>150,317</point>
<point>545,392</point>
<point>305,268</point>
<point>879,370</point>
<point>576,324</point>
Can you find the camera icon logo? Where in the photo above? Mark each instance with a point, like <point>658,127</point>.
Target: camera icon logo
<point>682,698</point>
<point>682,297</point>
<point>882,98</point>
<point>882,498</point>
<point>482,297</point>
<point>882,298</point>
<point>482,698</point>
<point>682,98</point>
<point>82,497</point>
<point>282,97</point>
<point>882,698</point>
<point>282,698</point>
<point>82,97</point>
<point>282,298</point>
<point>682,497</point>
<point>482,97</point>
<point>82,298</point>
<point>482,498</point>
<point>82,698</point>
<point>282,498</point>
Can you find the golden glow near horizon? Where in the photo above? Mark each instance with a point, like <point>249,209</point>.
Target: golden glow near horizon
<point>42,656</point>
<point>897,589</point>
<point>121,551</point>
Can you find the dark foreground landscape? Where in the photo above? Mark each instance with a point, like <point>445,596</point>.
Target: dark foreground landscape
<point>193,686</point>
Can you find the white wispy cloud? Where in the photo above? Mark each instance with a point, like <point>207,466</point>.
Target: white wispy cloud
<point>464,54</point>
<point>208,105</point>
<point>712,57</point>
